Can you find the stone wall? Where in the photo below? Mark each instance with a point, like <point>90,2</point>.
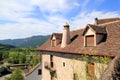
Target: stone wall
<point>45,72</point>
<point>66,65</point>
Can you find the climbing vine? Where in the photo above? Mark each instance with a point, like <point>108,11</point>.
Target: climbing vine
<point>99,61</point>
<point>52,71</point>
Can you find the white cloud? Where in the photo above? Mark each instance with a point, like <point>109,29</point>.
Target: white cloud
<point>26,30</point>
<point>85,18</point>
<point>17,10</point>
<point>54,6</point>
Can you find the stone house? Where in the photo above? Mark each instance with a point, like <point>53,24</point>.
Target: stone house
<point>81,54</point>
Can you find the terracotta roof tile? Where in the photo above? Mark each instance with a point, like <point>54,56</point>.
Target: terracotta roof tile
<point>102,21</point>
<point>97,29</point>
<point>110,47</point>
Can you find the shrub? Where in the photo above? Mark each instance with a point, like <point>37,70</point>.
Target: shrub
<point>16,75</point>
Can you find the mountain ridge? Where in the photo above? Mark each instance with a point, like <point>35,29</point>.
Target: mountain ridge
<point>26,42</point>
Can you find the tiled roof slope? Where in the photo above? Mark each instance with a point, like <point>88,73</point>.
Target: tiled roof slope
<point>111,47</point>
<point>57,35</point>
<point>97,29</point>
<point>102,21</point>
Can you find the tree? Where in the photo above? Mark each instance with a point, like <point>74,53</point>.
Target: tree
<point>35,61</point>
<point>22,58</point>
<point>4,54</point>
<point>13,57</point>
<point>16,75</point>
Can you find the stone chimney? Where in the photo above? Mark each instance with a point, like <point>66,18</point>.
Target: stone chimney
<point>65,36</point>
<point>96,21</point>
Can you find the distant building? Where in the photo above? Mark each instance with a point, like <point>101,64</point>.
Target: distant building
<point>81,54</point>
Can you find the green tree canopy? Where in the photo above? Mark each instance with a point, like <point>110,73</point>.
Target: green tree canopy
<point>16,75</point>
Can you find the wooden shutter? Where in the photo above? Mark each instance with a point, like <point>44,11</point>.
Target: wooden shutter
<point>90,40</point>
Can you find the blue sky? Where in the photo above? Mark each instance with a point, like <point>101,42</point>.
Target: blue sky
<point>25,18</point>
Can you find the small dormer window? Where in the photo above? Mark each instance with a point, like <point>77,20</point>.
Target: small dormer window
<point>89,37</point>
<point>55,39</point>
<point>93,35</point>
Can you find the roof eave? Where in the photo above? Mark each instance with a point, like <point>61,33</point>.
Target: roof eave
<point>109,55</point>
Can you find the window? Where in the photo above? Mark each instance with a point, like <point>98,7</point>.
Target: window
<point>63,64</point>
<point>51,64</point>
<point>39,71</point>
<point>90,40</point>
<point>51,60</point>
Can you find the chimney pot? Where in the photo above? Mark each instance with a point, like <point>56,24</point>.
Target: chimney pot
<point>66,25</point>
<point>65,35</point>
<point>96,21</point>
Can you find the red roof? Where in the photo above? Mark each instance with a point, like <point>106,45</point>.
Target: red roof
<point>102,21</point>
<point>111,47</point>
<point>97,29</point>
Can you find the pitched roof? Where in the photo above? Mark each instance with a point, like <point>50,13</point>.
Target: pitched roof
<point>97,29</point>
<point>102,21</point>
<point>57,35</point>
<point>111,47</point>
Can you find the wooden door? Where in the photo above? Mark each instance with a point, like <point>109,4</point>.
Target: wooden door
<point>91,71</point>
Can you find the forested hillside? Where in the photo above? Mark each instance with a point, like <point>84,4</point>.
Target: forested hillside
<point>6,47</point>
<point>26,42</point>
